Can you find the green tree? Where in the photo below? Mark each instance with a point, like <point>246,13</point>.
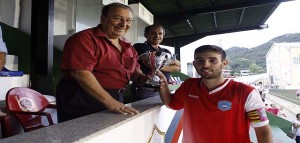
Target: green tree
<point>239,64</point>
<point>254,68</point>
<point>244,63</point>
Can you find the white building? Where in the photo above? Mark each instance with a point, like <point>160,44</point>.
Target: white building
<point>244,72</point>
<point>283,65</point>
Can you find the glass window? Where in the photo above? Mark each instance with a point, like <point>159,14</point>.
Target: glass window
<point>296,60</point>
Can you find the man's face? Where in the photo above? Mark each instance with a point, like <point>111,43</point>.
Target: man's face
<point>117,22</point>
<point>155,35</point>
<point>209,65</point>
<point>273,106</point>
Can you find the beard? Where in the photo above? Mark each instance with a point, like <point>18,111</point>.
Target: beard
<point>213,74</point>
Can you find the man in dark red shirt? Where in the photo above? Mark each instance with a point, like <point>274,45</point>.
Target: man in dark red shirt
<point>97,65</point>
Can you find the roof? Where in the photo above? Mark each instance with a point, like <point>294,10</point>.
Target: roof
<point>186,21</point>
<point>284,45</point>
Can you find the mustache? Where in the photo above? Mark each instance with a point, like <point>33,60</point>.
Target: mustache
<point>205,69</point>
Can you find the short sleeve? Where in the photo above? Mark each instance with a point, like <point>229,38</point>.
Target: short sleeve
<point>255,110</point>
<point>2,44</point>
<point>178,98</point>
<point>295,121</point>
<point>79,53</point>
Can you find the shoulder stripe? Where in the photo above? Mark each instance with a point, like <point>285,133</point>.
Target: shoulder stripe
<point>221,87</point>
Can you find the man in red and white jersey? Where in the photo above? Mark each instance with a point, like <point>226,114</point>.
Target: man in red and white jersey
<point>217,110</point>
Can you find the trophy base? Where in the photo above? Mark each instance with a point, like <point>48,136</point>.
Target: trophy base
<point>151,86</point>
<point>153,83</point>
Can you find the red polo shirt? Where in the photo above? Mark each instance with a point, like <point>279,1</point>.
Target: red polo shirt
<point>91,50</point>
<point>221,115</point>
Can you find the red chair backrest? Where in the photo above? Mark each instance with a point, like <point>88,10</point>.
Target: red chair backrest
<point>25,99</point>
<point>22,99</point>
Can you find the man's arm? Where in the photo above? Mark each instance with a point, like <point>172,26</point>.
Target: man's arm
<point>2,60</point>
<point>140,77</point>
<point>164,91</point>
<point>172,67</point>
<point>89,83</point>
<point>264,134</point>
<point>295,125</point>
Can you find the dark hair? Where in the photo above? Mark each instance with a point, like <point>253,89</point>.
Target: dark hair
<point>297,115</point>
<point>147,29</point>
<point>106,8</point>
<point>211,48</point>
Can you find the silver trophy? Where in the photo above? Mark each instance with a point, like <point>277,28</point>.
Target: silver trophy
<point>155,61</point>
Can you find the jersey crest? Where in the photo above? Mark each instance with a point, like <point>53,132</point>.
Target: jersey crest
<point>224,105</point>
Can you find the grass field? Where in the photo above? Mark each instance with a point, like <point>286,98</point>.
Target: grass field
<point>289,95</point>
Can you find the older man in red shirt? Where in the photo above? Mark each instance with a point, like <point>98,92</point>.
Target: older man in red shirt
<point>97,65</point>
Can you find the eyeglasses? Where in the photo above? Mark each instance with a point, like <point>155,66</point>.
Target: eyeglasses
<point>121,19</point>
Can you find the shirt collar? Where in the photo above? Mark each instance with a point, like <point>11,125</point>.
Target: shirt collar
<point>220,87</point>
<point>152,48</point>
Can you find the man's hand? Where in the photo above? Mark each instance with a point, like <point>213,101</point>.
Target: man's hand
<point>172,66</point>
<point>120,108</point>
<point>143,79</point>
<point>164,91</point>
<point>163,80</point>
<point>89,84</point>
<point>2,60</point>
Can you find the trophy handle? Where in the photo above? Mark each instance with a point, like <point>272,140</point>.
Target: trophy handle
<point>174,57</point>
<point>158,62</point>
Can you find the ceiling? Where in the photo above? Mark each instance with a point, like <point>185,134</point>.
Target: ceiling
<point>186,21</point>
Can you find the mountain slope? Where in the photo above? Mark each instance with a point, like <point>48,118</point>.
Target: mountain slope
<point>257,54</point>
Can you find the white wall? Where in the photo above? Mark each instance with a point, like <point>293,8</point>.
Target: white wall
<point>280,65</point>
<point>140,129</point>
<point>136,32</point>
<point>7,12</point>
<point>16,13</point>
<point>25,16</point>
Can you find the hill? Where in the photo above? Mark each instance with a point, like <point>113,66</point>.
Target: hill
<point>240,57</point>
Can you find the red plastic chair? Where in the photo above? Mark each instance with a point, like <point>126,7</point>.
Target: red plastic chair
<point>28,106</point>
